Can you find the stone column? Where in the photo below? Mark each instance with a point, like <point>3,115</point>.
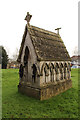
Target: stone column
<point>58,74</point>
<point>69,74</point>
<point>54,76</point>
<point>51,74</point>
<point>63,73</point>
<point>66,72</point>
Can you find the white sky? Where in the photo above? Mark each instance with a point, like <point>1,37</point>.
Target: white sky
<point>46,14</point>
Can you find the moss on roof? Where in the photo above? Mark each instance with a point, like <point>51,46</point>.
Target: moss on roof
<point>48,45</point>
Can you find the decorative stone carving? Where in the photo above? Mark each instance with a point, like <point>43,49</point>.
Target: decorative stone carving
<point>28,17</point>
<point>52,72</point>
<point>34,74</point>
<point>61,71</point>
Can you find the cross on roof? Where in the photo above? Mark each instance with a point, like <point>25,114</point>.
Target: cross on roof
<point>28,17</point>
<point>57,30</point>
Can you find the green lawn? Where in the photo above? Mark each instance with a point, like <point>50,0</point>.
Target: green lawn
<point>16,105</point>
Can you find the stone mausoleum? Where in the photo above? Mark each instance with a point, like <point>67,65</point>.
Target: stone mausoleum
<point>44,63</point>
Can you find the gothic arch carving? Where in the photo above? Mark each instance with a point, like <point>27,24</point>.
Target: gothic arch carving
<point>56,68</point>
<point>46,69</point>
<point>52,72</point>
<point>42,67</point>
<point>65,68</point>
<point>61,71</point>
<point>51,68</point>
<point>61,66</point>
<point>38,69</point>
<point>34,73</point>
<point>68,71</point>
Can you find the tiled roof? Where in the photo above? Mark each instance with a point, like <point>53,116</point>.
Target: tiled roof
<point>48,45</point>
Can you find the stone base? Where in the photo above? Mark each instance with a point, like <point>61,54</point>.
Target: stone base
<point>47,91</point>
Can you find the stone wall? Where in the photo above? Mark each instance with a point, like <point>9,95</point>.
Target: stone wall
<point>27,63</point>
<point>47,91</point>
<point>55,89</point>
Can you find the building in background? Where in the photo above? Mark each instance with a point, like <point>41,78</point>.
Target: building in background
<point>75,61</point>
<point>12,64</point>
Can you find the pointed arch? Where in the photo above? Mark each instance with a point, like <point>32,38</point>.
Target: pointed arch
<point>26,55</point>
<point>65,64</point>
<point>65,70</point>
<point>42,67</point>
<point>47,65</point>
<point>61,66</point>
<point>34,73</point>
<point>51,68</point>
<point>56,68</point>
<point>21,71</point>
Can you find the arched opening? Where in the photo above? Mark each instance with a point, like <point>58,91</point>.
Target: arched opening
<point>68,70</point>
<point>26,55</point>
<point>46,71</point>
<point>61,71</point>
<point>21,71</point>
<point>52,72</point>
<point>57,71</point>
<point>42,69</point>
<point>34,73</point>
<point>65,72</point>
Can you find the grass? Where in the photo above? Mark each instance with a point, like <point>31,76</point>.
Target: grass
<point>16,105</point>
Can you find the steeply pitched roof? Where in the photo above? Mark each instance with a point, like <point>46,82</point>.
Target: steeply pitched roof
<point>48,45</point>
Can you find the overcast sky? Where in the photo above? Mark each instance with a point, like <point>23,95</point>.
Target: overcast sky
<point>46,14</point>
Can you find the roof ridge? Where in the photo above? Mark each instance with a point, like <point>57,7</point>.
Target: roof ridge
<point>43,31</point>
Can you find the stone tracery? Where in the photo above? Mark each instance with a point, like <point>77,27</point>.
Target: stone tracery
<point>56,70</point>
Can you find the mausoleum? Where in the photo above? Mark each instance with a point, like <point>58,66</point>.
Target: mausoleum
<point>44,63</point>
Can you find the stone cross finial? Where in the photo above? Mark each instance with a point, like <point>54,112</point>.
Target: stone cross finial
<point>57,30</point>
<point>28,17</point>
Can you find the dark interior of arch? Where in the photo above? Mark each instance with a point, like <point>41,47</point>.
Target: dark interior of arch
<point>47,66</point>
<point>61,65</point>
<point>65,65</point>
<point>34,72</point>
<point>21,71</point>
<point>57,65</point>
<point>52,65</point>
<point>26,55</point>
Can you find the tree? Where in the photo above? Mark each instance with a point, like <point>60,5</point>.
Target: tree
<point>3,57</point>
<point>15,55</point>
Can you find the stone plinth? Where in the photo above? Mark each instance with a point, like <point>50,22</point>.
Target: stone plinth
<point>46,91</point>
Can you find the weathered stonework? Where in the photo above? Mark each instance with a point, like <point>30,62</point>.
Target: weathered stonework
<point>47,91</point>
<point>44,63</point>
